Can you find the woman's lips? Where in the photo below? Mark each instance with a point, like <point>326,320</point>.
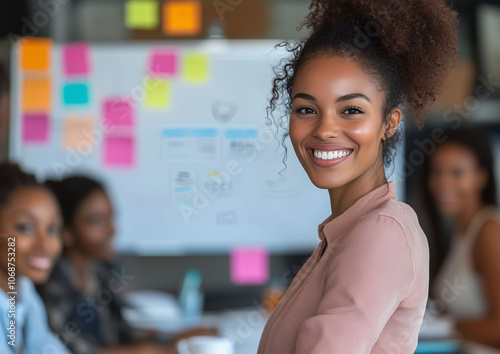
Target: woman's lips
<point>328,155</point>
<point>39,262</point>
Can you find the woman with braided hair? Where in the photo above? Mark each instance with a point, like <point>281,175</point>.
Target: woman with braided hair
<point>365,287</point>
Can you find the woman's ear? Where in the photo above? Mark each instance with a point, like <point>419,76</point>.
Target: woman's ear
<point>67,237</point>
<point>392,123</point>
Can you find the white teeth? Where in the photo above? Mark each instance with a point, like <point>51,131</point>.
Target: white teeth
<point>329,155</point>
<point>42,263</point>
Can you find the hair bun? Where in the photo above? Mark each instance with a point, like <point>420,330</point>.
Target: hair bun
<point>419,36</point>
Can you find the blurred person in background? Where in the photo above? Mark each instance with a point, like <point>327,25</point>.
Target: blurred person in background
<point>30,225</point>
<point>460,186</point>
<point>85,288</point>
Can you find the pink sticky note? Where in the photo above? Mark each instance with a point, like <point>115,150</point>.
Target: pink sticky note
<point>76,59</point>
<point>163,63</point>
<point>35,128</point>
<point>249,265</point>
<point>117,112</point>
<point>119,151</point>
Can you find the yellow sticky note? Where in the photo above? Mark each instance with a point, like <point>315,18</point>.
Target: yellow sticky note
<point>36,94</point>
<point>78,132</point>
<point>35,53</point>
<point>182,18</point>
<point>195,68</point>
<point>142,14</point>
<point>157,93</point>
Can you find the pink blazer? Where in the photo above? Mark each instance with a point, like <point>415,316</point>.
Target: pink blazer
<point>363,290</point>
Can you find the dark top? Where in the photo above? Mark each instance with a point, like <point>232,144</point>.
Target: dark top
<point>86,320</point>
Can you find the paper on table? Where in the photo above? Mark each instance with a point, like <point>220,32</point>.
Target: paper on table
<point>249,265</point>
<point>35,128</point>
<point>142,14</point>
<point>164,62</point>
<point>76,94</point>
<point>157,93</point>
<point>195,68</point>
<point>76,59</point>
<point>182,18</point>
<point>36,94</point>
<point>119,151</point>
<point>117,112</point>
<point>78,132</point>
<point>35,53</point>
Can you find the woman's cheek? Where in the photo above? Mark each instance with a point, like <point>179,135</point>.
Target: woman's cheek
<point>56,247</point>
<point>363,134</point>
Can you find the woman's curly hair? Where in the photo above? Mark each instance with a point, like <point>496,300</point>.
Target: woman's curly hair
<point>408,46</point>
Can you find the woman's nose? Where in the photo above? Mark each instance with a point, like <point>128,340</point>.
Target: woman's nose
<point>42,241</point>
<point>327,127</point>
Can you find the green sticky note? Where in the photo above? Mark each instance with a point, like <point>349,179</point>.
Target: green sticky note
<point>142,14</point>
<point>195,68</point>
<point>157,93</point>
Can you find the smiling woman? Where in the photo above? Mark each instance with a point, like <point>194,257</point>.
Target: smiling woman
<point>364,289</point>
<point>30,226</point>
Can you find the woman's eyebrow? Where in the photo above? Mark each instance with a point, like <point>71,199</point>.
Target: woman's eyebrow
<point>25,213</point>
<point>304,96</point>
<point>351,96</point>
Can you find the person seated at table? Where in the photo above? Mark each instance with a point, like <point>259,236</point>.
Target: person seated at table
<point>460,182</point>
<point>30,242</point>
<point>84,287</point>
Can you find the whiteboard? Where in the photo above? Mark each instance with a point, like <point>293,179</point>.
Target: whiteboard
<point>205,171</point>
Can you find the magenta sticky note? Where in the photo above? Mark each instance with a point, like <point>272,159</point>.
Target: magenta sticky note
<point>249,265</point>
<point>119,151</point>
<point>117,112</point>
<point>163,63</point>
<point>35,128</point>
<point>76,59</point>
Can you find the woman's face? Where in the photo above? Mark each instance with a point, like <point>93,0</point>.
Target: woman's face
<point>93,228</point>
<point>336,125</point>
<point>456,180</point>
<point>31,215</point>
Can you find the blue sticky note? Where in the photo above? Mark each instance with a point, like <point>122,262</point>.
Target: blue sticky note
<point>76,94</point>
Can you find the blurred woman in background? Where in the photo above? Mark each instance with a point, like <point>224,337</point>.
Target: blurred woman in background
<point>30,242</point>
<point>460,182</point>
<point>84,288</point>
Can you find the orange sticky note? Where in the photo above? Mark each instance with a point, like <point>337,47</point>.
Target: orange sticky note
<point>78,132</point>
<point>36,94</point>
<point>35,53</point>
<point>182,18</point>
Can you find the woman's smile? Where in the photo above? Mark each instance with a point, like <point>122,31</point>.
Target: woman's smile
<point>328,155</point>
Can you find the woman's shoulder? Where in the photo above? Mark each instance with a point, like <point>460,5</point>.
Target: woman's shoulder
<point>489,227</point>
<point>395,212</point>
<point>403,214</point>
<point>393,222</point>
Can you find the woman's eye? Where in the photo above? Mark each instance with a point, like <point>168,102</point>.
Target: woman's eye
<point>25,228</point>
<point>55,230</point>
<point>96,221</point>
<point>352,111</point>
<point>305,110</point>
